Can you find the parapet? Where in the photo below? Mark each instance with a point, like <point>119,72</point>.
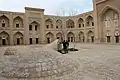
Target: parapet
<point>34,9</point>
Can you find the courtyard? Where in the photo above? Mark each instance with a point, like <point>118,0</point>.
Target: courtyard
<point>96,61</point>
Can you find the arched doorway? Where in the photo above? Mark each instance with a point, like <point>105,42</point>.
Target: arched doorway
<point>71,37</point>
<point>90,35</point>
<point>18,22</point>
<point>18,38</point>
<point>59,36</point>
<point>81,37</point>
<point>4,38</point>
<point>49,37</point>
<point>70,24</point>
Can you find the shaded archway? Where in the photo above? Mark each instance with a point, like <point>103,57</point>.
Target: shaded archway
<point>4,38</point>
<point>18,22</point>
<point>109,18</point>
<point>18,38</point>
<point>80,23</point>
<point>49,23</point>
<point>58,24</point>
<point>34,26</point>
<point>81,37</point>
<point>70,24</point>
<point>71,37</point>
<point>4,21</point>
<point>59,36</point>
<point>89,21</point>
<point>90,36</point>
<point>49,37</point>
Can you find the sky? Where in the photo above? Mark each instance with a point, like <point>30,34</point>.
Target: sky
<point>52,7</point>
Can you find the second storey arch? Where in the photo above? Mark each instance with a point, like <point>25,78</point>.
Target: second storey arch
<point>48,23</point>
<point>59,24</point>
<point>18,22</point>
<point>4,21</point>
<point>70,23</point>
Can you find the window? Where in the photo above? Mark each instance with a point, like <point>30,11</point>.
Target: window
<point>71,39</point>
<point>92,23</point>
<point>30,27</point>
<point>92,38</point>
<point>47,26</point>
<point>3,42</point>
<point>117,39</point>
<point>37,40</point>
<point>18,41</point>
<point>57,27</point>
<point>36,27</point>
<point>68,39</point>
<point>79,25</point>
<point>30,40</point>
<point>87,23</point>
<point>83,25</point>
<point>48,40</point>
<point>108,39</point>
<point>17,25</point>
<point>3,24</point>
<point>79,39</point>
<point>83,39</point>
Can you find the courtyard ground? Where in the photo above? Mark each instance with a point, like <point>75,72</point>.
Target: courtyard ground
<point>97,61</point>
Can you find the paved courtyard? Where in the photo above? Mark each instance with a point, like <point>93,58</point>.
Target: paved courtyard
<point>96,61</point>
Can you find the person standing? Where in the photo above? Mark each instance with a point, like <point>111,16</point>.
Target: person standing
<point>64,46</point>
<point>67,45</point>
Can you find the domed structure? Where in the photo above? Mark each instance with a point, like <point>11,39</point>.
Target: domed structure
<point>44,63</point>
<point>10,51</point>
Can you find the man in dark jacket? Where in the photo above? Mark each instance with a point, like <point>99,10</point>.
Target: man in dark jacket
<point>67,45</point>
<point>64,46</point>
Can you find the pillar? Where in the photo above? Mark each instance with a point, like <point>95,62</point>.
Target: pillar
<point>11,28</point>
